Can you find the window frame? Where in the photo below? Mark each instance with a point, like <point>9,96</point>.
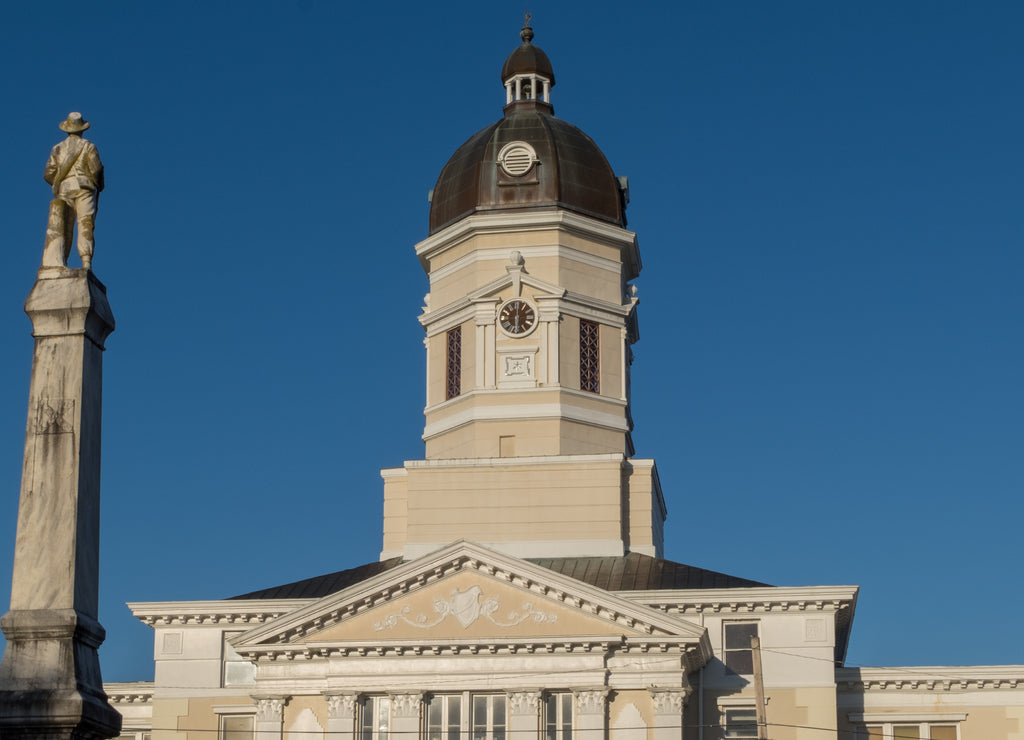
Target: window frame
<point>590,356</point>
<point>467,726</point>
<point>453,363</point>
<point>373,730</point>
<point>747,651</point>
<point>561,728</point>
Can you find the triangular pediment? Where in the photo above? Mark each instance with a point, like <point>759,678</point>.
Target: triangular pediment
<point>468,593</point>
<point>503,283</point>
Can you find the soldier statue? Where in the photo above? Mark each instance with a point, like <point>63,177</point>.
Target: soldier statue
<point>76,174</point>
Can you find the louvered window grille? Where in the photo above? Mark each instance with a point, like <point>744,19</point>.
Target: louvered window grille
<point>590,354</point>
<point>453,371</point>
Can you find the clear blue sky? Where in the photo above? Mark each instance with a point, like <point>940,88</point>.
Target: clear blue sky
<point>828,201</point>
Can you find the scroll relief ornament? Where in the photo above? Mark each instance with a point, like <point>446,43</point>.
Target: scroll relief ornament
<point>467,607</point>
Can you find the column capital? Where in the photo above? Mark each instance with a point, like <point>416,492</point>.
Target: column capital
<point>341,704</point>
<point>524,702</point>
<point>670,700</point>
<point>406,703</point>
<point>590,701</point>
<point>270,708</point>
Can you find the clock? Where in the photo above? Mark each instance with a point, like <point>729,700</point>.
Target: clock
<point>517,317</point>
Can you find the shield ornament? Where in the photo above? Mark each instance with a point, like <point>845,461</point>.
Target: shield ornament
<point>466,605</point>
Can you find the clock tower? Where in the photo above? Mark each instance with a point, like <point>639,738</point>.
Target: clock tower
<point>529,323</point>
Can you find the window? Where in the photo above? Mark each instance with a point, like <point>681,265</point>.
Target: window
<point>590,356</point>
<point>488,717</point>
<point>906,730</point>
<point>453,369</point>
<point>444,717</point>
<point>558,717</point>
<point>465,715</point>
<point>739,722</point>
<point>374,718</point>
<point>236,727</point>
<point>738,655</point>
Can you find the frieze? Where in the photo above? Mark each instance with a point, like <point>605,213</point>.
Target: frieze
<point>466,607</point>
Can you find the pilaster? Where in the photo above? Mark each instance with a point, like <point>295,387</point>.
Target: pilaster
<point>405,714</point>
<point>269,717</point>
<point>50,682</point>
<point>591,714</point>
<point>669,704</point>
<point>341,715</point>
<point>523,713</point>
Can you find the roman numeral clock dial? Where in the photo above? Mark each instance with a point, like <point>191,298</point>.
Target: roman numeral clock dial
<point>517,317</point>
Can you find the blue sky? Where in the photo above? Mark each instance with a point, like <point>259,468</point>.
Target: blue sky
<point>828,202</point>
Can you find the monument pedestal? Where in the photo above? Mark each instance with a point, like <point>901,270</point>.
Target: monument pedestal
<point>50,683</point>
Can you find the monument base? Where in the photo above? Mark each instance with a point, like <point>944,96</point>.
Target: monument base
<point>51,658</point>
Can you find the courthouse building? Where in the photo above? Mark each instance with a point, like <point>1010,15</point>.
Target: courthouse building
<point>522,589</point>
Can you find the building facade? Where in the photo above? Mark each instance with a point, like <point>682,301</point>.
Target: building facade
<point>521,590</point>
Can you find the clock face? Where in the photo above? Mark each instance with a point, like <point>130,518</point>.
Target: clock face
<point>517,317</point>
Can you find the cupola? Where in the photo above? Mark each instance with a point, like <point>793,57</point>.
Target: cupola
<point>527,73</point>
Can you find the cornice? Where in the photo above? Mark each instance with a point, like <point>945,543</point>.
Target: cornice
<point>754,600</point>
<point>488,462</point>
<point>497,223</point>
<point>283,634</point>
<point>931,678</point>
<point>136,692</point>
<point>199,613</point>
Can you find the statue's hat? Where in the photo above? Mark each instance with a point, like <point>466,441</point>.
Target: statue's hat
<point>75,124</point>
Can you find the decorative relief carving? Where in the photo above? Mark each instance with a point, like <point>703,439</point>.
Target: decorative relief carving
<point>55,416</point>
<point>670,701</point>
<point>269,708</point>
<point>467,607</point>
<point>524,702</point>
<point>590,701</point>
<point>341,706</point>
<point>518,366</point>
<point>406,705</point>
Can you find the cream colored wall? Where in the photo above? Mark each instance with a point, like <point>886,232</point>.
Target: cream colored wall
<point>620,701</point>
<point>569,352</point>
<point>167,714</point>
<point>646,509</point>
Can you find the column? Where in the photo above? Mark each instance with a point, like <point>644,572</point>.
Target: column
<point>669,704</point>
<point>405,714</point>
<point>50,682</point>
<point>523,714</point>
<point>341,715</point>
<point>269,717</point>
<point>591,714</point>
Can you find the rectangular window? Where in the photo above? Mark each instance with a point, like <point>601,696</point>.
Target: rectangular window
<point>374,718</point>
<point>558,717</point>
<point>444,717</point>
<point>590,356</point>
<point>237,727</point>
<point>740,722</point>
<point>453,369</point>
<point>738,655</point>
<point>488,717</point>
<point>908,731</point>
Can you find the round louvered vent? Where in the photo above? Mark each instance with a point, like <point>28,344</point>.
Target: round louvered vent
<point>516,158</point>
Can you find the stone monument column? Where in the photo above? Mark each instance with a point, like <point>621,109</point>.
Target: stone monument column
<point>50,684</point>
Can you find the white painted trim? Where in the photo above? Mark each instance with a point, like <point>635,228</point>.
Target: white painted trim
<point>500,254</point>
<point>540,411</point>
<point>534,548</point>
<point>489,462</point>
<point>234,708</point>
<point>929,717</point>
<point>533,220</point>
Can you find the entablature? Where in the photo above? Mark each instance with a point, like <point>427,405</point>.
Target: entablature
<point>227,611</point>
<point>930,678</point>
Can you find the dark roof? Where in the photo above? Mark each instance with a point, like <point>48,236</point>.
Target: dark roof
<point>571,171</point>
<point>527,59</point>
<point>630,572</point>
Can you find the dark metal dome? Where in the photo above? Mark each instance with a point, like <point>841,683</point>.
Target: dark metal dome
<point>527,59</point>
<point>565,168</point>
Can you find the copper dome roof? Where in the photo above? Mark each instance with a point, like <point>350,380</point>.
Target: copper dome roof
<point>568,169</point>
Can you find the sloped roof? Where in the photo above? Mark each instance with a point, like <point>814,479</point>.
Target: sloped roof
<point>630,572</point>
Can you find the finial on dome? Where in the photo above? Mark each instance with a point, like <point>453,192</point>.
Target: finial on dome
<point>527,33</point>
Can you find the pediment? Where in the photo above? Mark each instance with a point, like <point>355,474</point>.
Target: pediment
<point>468,593</point>
<point>497,286</point>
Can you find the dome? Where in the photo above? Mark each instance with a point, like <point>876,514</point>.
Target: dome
<point>528,159</point>
<point>527,59</point>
